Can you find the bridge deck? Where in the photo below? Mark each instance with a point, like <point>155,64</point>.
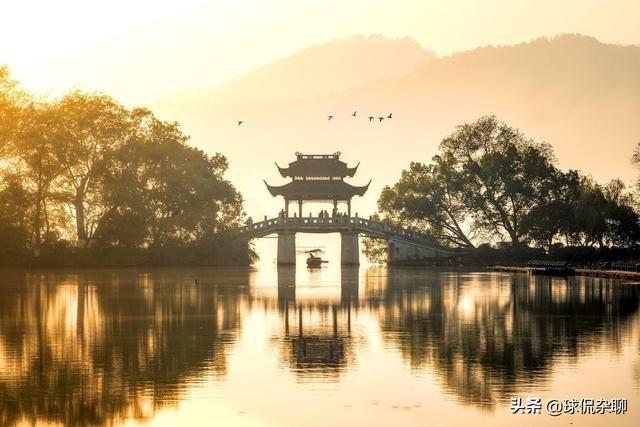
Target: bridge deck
<point>341,225</point>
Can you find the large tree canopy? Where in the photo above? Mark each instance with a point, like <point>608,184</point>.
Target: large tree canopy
<point>85,171</point>
<point>430,197</point>
<point>12,99</point>
<point>510,175</point>
<point>159,191</point>
<point>90,127</point>
<point>489,183</point>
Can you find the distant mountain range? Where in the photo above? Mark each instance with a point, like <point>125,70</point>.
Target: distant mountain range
<point>578,94</point>
<point>318,70</point>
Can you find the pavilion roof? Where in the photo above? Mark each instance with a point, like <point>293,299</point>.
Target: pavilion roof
<point>317,165</point>
<point>317,190</point>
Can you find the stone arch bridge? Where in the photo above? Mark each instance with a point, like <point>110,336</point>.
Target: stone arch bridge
<point>403,244</point>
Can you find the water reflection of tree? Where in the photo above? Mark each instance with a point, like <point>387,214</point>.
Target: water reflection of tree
<point>484,337</point>
<point>95,348</point>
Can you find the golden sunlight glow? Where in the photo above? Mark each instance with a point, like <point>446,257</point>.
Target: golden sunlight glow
<point>144,49</point>
<point>467,304</point>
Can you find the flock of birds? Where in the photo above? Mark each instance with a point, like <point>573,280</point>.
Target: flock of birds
<point>354,114</point>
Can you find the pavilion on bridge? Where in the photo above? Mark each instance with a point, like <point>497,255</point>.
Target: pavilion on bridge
<point>317,177</point>
<point>321,177</point>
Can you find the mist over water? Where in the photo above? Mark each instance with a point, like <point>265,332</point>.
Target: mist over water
<point>287,346</point>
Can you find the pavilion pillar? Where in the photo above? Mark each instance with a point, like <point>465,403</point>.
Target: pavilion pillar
<point>286,248</point>
<point>299,208</point>
<point>349,207</point>
<point>286,207</point>
<point>349,249</point>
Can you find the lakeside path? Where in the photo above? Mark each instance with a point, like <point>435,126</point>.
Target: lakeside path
<point>614,274</point>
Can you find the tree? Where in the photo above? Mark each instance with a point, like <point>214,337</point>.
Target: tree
<point>114,177</point>
<point>12,100</point>
<point>14,203</point>
<point>430,197</point>
<point>161,193</point>
<point>635,160</point>
<point>623,226</point>
<point>589,215</point>
<point>90,127</point>
<point>505,175</point>
<point>36,143</point>
<point>601,215</point>
<point>548,220</point>
<point>623,222</point>
<point>376,250</point>
<point>487,181</point>
<point>14,215</point>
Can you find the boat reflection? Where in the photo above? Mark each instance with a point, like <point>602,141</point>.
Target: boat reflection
<point>316,343</point>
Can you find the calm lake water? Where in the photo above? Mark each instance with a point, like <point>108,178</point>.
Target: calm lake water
<point>335,347</point>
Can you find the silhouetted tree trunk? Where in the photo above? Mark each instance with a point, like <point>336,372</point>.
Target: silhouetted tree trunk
<point>37,224</point>
<point>78,205</point>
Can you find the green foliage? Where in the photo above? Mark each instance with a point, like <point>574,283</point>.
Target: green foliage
<point>85,169</point>
<point>14,207</point>
<point>160,192</point>
<point>602,215</point>
<point>375,250</point>
<point>430,197</point>
<point>506,176</point>
<point>489,183</point>
<point>11,102</point>
<point>90,127</point>
<point>635,160</point>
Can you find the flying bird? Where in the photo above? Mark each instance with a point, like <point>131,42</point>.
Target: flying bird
<point>355,113</point>
<point>371,118</point>
<point>329,117</point>
<point>381,118</point>
<point>240,122</point>
<point>389,116</point>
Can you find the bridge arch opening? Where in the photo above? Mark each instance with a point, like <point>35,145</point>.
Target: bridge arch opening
<point>330,243</point>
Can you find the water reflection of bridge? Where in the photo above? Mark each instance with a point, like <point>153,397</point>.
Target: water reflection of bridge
<point>317,340</point>
<point>482,335</point>
<point>95,347</point>
<point>349,288</point>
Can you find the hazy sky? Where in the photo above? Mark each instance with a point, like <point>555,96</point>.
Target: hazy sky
<point>137,50</point>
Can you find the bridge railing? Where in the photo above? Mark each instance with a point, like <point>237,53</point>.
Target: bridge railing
<point>362,223</point>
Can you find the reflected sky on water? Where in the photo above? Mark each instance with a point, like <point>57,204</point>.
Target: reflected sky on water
<point>336,346</point>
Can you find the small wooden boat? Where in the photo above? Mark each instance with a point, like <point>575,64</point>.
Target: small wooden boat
<point>314,260</point>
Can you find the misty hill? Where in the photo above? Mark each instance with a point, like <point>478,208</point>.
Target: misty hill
<point>578,94</point>
<point>320,69</point>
